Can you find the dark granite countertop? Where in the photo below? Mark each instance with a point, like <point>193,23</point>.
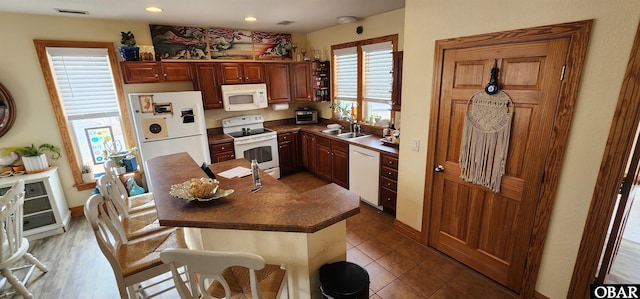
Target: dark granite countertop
<point>274,208</point>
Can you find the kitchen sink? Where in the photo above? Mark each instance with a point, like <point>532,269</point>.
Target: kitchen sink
<point>334,132</point>
<point>351,135</point>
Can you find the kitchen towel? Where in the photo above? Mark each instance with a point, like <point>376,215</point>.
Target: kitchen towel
<point>277,107</point>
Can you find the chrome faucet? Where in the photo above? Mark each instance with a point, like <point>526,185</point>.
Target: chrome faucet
<point>355,127</point>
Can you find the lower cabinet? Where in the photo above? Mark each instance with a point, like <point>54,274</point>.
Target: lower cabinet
<point>289,152</point>
<point>388,182</point>
<point>333,161</point>
<point>45,207</point>
<point>222,152</point>
<point>309,156</point>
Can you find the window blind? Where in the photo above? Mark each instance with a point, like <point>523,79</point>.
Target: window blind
<point>84,81</point>
<point>378,64</point>
<point>346,69</point>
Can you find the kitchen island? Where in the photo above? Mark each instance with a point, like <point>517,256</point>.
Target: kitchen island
<point>302,230</point>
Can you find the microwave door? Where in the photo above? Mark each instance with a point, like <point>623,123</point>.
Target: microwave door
<point>241,99</point>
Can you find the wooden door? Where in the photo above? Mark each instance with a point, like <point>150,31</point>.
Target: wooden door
<point>231,73</point>
<point>277,75</point>
<point>176,71</point>
<point>207,83</point>
<point>253,72</point>
<point>340,163</point>
<point>488,231</point>
<point>323,158</point>
<point>301,82</point>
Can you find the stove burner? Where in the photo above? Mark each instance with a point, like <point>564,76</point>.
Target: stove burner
<point>248,132</point>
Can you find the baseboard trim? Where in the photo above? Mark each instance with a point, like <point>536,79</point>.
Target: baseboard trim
<point>406,230</point>
<point>77,211</point>
<point>537,295</point>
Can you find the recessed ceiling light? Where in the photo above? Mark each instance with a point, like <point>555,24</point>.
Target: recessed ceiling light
<point>250,19</point>
<point>154,9</point>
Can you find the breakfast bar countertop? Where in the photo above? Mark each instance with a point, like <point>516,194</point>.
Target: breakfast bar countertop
<point>274,208</point>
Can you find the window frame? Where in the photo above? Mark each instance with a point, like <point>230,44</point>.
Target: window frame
<point>393,38</point>
<point>64,125</point>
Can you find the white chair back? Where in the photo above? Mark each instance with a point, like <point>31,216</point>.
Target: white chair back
<point>114,206</point>
<point>205,266</point>
<point>12,244</point>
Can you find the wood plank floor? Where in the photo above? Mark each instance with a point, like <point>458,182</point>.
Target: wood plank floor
<point>624,269</point>
<point>398,267</point>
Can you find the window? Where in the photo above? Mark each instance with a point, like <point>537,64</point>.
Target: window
<point>87,98</point>
<point>363,79</point>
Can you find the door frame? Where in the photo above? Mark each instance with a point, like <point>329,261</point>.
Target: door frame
<point>578,34</point>
<point>619,144</point>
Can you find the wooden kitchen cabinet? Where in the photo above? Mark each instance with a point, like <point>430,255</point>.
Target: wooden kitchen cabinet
<point>388,182</point>
<point>242,72</point>
<point>309,156</point>
<point>278,86</point>
<point>222,152</point>
<point>333,161</point>
<point>207,82</point>
<point>396,86</point>
<point>155,72</point>
<point>301,83</point>
<point>289,152</point>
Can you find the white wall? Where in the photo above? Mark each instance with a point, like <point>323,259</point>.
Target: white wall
<point>609,47</point>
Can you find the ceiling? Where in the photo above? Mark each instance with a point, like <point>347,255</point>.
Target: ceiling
<point>305,15</point>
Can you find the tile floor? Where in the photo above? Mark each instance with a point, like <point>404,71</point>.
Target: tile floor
<point>398,267</point>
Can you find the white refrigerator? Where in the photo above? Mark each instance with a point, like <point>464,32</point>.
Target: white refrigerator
<point>168,123</point>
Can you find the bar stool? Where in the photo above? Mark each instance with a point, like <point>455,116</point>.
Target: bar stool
<point>13,246</point>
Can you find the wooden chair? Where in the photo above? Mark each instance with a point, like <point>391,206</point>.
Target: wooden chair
<point>136,261</point>
<point>129,225</point>
<point>232,275</point>
<point>13,246</point>
<point>132,203</point>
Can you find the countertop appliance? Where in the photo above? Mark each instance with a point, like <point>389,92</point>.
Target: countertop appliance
<point>241,97</point>
<point>251,140</point>
<point>169,122</point>
<point>306,117</point>
<point>364,174</point>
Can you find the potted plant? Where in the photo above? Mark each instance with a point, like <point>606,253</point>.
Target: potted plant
<point>129,51</point>
<point>34,158</point>
<point>87,173</point>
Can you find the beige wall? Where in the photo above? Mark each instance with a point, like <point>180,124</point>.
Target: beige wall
<point>21,74</point>
<point>609,47</point>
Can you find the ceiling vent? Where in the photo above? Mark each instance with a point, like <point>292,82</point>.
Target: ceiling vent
<point>285,23</point>
<point>346,19</point>
<point>71,11</point>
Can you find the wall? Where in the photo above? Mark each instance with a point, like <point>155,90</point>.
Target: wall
<point>609,47</point>
<point>21,74</point>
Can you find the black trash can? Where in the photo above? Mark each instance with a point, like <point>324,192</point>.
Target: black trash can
<point>344,280</point>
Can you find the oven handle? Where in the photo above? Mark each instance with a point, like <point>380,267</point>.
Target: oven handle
<point>254,140</point>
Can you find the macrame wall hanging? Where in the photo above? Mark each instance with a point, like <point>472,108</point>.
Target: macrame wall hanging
<point>485,136</point>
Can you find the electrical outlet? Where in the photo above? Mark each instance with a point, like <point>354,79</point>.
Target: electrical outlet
<point>415,144</point>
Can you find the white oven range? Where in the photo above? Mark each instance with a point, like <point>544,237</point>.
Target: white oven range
<point>252,141</point>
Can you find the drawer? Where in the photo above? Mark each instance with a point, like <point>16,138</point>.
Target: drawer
<point>323,141</point>
<point>389,173</point>
<point>389,161</point>
<point>388,183</point>
<point>35,221</point>
<point>36,205</point>
<point>34,189</point>
<point>222,147</point>
<point>339,146</point>
<point>284,137</point>
<point>388,199</point>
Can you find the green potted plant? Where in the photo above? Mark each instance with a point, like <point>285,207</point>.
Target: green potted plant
<point>34,158</point>
<point>87,172</point>
<point>128,51</point>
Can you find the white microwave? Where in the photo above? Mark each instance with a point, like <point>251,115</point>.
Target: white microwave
<point>240,97</point>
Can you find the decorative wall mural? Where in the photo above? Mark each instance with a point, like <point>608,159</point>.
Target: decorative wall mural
<point>272,46</point>
<point>230,44</point>
<point>179,42</point>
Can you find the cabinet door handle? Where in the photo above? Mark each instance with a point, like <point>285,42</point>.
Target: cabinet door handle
<point>439,168</point>
<point>222,148</point>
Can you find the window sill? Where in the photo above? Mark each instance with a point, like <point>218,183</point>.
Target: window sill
<point>85,186</point>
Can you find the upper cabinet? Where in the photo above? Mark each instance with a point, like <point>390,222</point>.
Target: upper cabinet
<point>278,88</point>
<point>321,77</point>
<point>207,82</point>
<point>396,86</point>
<point>242,72</point>
<point>154,72</point>
<point>301,82</point>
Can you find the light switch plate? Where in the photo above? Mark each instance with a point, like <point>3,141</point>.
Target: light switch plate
<point>415,144</point>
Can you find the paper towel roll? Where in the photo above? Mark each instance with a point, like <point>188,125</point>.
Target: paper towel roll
<point>277,107</point>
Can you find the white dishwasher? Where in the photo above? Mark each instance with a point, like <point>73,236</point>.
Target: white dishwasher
<point>364,173</point>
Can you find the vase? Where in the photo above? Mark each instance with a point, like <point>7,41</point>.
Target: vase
<point>129,53</point>
<point>88,177</point>
<point>35,163</point>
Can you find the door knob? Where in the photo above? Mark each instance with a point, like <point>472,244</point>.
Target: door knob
<point>440,168</point>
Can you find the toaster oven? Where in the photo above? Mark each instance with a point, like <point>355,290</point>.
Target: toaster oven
<point>306,117</point>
